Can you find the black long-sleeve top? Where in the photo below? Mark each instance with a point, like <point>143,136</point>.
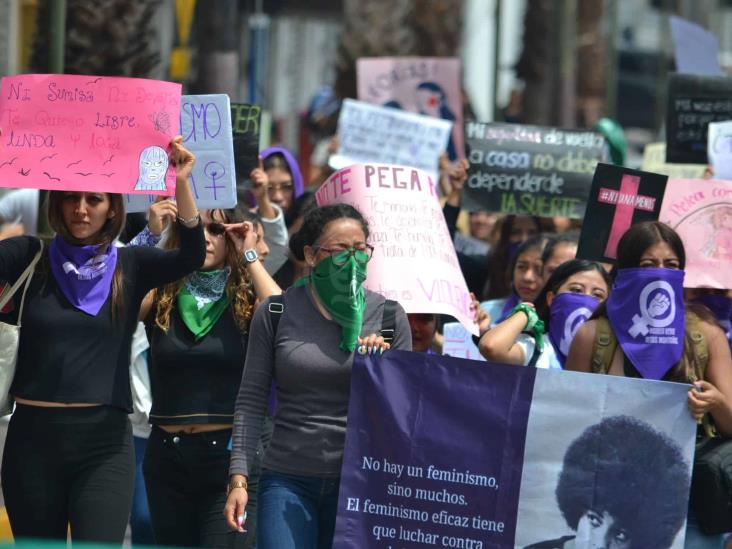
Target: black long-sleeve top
<point>66,355</point>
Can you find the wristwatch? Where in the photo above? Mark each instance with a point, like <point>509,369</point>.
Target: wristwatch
<point>250,255</point>
<point>236,484</point>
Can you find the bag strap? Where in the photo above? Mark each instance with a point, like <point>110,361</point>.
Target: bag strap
<point>276,308</point>
<point>388,320</point>
<point>603,348</point>
<point>25,277</point>
<point>537,351</point>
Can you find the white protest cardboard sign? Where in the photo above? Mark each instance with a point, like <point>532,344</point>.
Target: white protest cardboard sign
<point>719,149</point>
<point>205,124</point>
<point>458,342</point>
<point>696,49</point>
<point>368,133</point>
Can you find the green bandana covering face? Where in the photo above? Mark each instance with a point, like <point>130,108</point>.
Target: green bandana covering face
<point>338,283</point>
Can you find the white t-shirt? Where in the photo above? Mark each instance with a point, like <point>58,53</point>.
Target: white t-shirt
<point>547,359</point>
<point>21,206</point>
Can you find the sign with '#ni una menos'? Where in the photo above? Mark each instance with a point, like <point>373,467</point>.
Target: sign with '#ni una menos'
<point>530,170</point>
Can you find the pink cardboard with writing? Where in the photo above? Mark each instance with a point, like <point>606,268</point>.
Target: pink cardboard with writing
<point>701,212</point>
<point>414,260</point>
<point>87,133</point>
<point>425,85</point>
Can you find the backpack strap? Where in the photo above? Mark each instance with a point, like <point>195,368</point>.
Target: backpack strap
<point>388,320</point>
<point>276,308</point>
<point>537,351</point>
<point>697,344</point>
<point>603,348</point>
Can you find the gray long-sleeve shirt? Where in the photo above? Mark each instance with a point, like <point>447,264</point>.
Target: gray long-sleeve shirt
<point>313,377</point>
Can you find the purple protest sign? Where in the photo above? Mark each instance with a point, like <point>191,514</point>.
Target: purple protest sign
<point>447,452</point>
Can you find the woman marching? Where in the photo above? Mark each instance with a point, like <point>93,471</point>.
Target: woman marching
<point>646,330</point>
<point>68,455</point>
<point>305,344</point>
<point>198,330</point>
<point>572,293</point>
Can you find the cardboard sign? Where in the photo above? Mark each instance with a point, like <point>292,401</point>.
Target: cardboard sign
<point>205,123</point>
<point>246,121</point>
<point>87,133</point>
<point>536,449</point>
<point>389,136</point>
<point>694,102</point>
<point>458,342</point>
<point>654,160</point>
<point>700,211</point>
<point>719,149</point>
<point>530,170</point>
<point>620,197</point>
<point>424,85</point>
<point>696,49</point>
<point>414,261</point>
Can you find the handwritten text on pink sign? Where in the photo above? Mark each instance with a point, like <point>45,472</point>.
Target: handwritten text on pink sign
<point>71,132</point>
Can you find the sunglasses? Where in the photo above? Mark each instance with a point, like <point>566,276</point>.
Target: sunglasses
<point>215,229</point>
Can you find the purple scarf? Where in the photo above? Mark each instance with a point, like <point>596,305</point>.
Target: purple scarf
<point>567,313</point>
<point>511,302</point>
<point>646,312</point>
<point>297,180</point>
<point>721,307</point>
<point>84,275</point>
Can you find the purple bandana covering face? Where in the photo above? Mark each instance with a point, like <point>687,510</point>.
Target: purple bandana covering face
<point>721,307</point>
<point>84,276</point>
<point>646,312</point>
<point>567,313</point>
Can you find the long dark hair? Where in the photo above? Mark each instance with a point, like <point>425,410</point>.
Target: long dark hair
<point>315,222</point>
<point>500,270</point>
<point>560,276</point>
<point>642,236</point>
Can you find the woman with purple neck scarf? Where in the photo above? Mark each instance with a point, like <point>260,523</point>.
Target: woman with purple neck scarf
<point>68,457</point>
<point>285,178</point>
<point>645,329</point>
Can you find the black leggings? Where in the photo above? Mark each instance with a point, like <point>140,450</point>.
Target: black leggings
<point>66,466</point>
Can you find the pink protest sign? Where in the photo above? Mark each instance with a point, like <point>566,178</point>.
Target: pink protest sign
<point>414,260</point>
<point>87,133</point>
<point>425,85</point>
<point>701,212</point>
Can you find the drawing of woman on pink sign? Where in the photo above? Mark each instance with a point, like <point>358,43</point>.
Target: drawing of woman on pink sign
<point>153,167</point>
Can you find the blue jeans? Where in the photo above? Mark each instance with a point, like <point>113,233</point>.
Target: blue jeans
<point>696,540</point>
<point>296,512</point>
<point>140,524</point>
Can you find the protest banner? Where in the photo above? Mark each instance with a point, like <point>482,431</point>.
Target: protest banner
<point>458,342</point>
<point>693,102</point>
<point>414,261</point>
<point>425,85</point>
<point>654,160</point>
<point>538,450</point>
<point>619,198</point>
<point>367,133</point>
<point>87,133</point>
<point>205,124</point>
<point>719,149</point>
<point>530,170</point>
<point>246,121</point>
<point>695,48</point>
<point>700,210</point>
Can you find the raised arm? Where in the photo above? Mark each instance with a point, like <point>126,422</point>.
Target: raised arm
<point>499,344</point>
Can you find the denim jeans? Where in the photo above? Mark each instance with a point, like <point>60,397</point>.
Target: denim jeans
<point>296,512</point>
<point>140,525</point>
<point>696,540</point>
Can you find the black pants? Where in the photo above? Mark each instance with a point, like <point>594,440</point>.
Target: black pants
<point>186,477</point>
<point>66,466</point>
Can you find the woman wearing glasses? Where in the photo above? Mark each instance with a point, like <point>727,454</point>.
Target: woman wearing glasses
<point>309,355</point>
<point>285,182</point>
<point>198,330</point>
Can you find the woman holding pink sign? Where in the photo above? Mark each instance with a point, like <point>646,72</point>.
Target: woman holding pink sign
<point>68,456</point>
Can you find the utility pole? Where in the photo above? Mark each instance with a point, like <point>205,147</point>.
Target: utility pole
<point>567,85</point>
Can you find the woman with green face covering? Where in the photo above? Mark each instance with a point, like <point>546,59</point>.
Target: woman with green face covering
<point>327,316</point>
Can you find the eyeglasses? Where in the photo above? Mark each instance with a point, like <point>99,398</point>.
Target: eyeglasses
<point>215,229</point>
<point>285,188</point>
<point>341,256</point>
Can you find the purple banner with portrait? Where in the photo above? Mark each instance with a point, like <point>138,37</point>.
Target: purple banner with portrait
<point>447,452</point>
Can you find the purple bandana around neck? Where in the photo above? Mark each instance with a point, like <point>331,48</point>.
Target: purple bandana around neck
<point>721,307</point>
<point>567,313</point>
<point>646,312</point>
<point>84,275</point>
<point>511,302</point>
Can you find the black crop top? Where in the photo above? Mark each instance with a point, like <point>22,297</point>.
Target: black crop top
<point>66,355</point>
<point>193,381</point>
